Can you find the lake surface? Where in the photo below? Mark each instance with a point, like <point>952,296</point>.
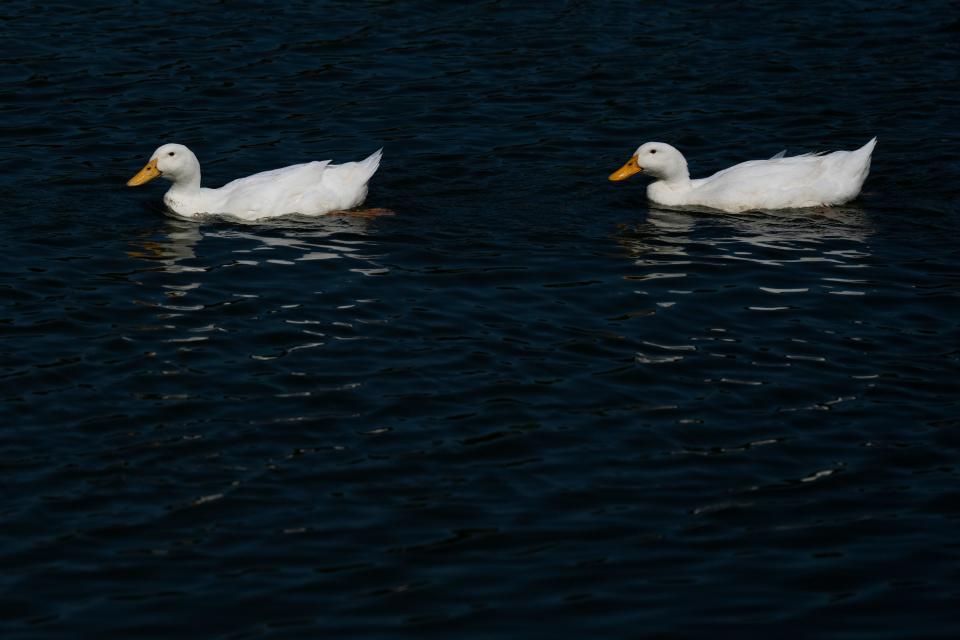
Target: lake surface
<point>528,405</point>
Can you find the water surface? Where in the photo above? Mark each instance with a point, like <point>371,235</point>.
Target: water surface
<point>528,404</point>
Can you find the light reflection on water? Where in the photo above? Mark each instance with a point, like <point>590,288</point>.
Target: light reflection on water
<point>178,240</point>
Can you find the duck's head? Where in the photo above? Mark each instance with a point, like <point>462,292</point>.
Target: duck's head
<point>173,162</point>
<point>657,159</point>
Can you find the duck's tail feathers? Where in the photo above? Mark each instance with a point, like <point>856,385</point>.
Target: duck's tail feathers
<point>867,153</point>
<point>854,167</point>
<point>859,159</point>
<point>369,166</point>
<point>868,148</point>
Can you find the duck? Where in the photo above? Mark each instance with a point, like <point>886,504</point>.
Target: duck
<point>781,182</point>
<point>312,188</point>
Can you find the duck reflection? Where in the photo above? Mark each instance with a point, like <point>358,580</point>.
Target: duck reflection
<point>174,246</point>
<point>669,232</point>
<point>170,245</point>
<point>196,268</point>
<point>680,254</point>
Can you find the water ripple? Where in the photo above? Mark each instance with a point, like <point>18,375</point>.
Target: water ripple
<point>528,404</point>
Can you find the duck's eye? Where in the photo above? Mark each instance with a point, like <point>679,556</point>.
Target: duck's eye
<point>172,153</point>
<point>651,151</point>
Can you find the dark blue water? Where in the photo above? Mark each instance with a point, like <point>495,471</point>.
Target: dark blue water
<point>528,404</point>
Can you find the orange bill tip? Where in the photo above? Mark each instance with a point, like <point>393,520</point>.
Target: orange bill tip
<point>626,170</point>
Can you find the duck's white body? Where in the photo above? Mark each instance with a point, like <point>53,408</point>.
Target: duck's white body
<point>808,180</point>
<point>312,188</point>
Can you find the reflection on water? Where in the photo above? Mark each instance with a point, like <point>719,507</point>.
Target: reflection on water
<point>170,245</point>
<point>213,277</point>
<point>293,239</point>
<point>668,240</point>
<point>668,230</point>
<point>710,280</point>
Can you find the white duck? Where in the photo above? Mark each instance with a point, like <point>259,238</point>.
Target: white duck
<point>312,188</point>
<point>808,180</point>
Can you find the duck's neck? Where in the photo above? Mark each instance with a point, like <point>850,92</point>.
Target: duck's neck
<point>184,195</point>
<point>676,173</point>
<point>187,183</point>
<point>671,192</point>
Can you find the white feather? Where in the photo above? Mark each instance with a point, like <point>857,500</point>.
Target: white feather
<point>782,182</point>
<point>311,188</point>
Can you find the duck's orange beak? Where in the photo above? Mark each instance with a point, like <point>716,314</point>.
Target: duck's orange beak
<point>626,170</point>
<point>145,175</point>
